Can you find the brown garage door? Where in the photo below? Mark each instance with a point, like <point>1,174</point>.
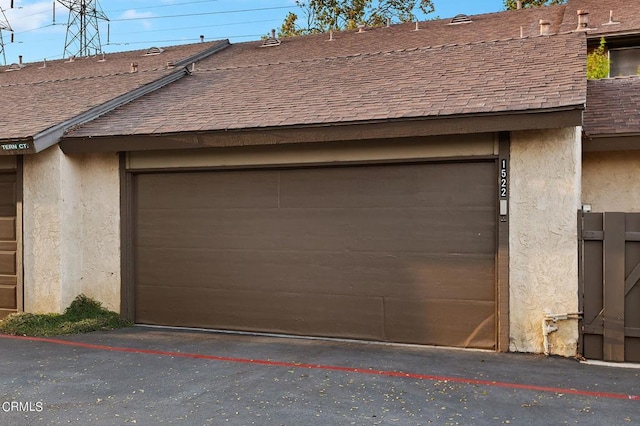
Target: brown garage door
<point>8,244</point>
<point>401,253</point>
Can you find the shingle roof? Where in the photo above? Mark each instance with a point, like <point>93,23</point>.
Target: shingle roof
<point>492,26</point>
<point>37,97</point>
<point>625,12</point>
<point>613,107</point>
<point>247,86</point>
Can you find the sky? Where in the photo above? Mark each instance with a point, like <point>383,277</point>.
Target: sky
<point>141,24</point>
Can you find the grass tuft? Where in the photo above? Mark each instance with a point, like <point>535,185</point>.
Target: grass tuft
<point>82,316</point>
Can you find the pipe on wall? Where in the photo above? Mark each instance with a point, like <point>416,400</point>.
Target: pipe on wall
<point>550,325</point>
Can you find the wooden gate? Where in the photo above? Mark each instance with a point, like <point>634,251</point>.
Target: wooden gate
<point>609,285</point>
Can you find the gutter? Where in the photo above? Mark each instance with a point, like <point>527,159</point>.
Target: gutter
<point>51,136</point>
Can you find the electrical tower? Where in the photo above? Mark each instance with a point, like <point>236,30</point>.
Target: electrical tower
<point>83,34</point>
<point>4,26</point>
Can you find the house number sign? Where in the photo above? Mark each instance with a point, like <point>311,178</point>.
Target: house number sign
<point>504,173</point>
<point>503,179</point>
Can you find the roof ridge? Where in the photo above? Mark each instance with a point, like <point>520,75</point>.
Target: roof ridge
<point>376,53</point>
<point>88,77</point>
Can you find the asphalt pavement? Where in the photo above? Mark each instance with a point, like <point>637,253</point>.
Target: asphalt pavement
<point>149,376</point>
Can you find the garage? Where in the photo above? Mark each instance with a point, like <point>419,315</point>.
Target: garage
<point>400,252</point>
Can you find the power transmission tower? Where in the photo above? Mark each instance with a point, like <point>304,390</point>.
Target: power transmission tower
<point>83,34</point>
<point>4,26</point>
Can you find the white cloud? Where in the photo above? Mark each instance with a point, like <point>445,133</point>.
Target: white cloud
<point>134,14</point>
<point>28,17</point>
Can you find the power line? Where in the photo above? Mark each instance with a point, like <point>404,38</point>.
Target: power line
<point>4,26</point>
<point>217,22</point>
<point>48,10</point>
<point>182,40</point>
<point>162,5</point>
<point>200,14</point>
<point>163,29</point>
<point>203,26</point>
<point>36,29</point>
<point>31,15</point>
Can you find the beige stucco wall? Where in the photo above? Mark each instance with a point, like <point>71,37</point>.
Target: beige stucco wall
<point>71,229</point>
<point>545,195</point>
<point>611,181</point>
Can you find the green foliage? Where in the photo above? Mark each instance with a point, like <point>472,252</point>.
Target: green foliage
<point>82,316</point>
<point>598,62</point>
<point>512,4</point>
<point>323,15</point>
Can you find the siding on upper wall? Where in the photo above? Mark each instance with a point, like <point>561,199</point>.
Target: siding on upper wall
<point>611,181</point>
<point>544,200</point>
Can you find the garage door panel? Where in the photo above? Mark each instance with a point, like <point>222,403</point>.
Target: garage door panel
<point>369,274</point>
<point>7,263</point>
<point>245,189</point>
<point>7,297</point>
<point>441,322</point>
<point>8,228</point>
<point>295,313</point>
<point>382,229</point>
<point>399,252</point>
<point>439,185</point>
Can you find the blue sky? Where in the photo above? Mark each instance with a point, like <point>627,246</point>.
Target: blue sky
<point>140,24</point>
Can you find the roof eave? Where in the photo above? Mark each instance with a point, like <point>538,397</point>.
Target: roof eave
<point>611,142</point>
<point>597,34</point>
<point>51,136</point>
<point>568,116</point>
<point>14,146</point>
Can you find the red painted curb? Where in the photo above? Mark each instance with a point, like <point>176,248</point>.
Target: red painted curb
<point>332,368</point>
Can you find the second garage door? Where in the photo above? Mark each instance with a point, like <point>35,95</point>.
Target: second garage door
<point>400,253</point>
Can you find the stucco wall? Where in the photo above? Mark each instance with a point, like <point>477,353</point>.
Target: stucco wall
<point>545,195</point>
<point>42,231</point>
<point>611,181</point>
<point>71,230</point>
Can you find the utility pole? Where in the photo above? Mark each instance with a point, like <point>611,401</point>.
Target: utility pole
<point>4,26</point>
<point>83,34</point>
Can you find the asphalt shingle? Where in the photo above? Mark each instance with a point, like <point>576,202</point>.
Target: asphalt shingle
<point>241,89</point>
<point>38,96</point>
<point>626,16</point>
<point>613,106</point>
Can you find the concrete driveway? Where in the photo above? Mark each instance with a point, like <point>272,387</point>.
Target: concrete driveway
<point>148,376</point>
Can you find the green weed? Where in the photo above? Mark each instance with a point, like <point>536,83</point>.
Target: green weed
<point>82,316</point>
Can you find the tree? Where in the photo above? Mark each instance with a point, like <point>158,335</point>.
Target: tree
<point>512,4</point>
<point>598,62</point>
<point>323,15</point>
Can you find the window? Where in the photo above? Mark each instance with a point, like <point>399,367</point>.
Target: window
<point>624,61</point>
